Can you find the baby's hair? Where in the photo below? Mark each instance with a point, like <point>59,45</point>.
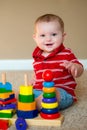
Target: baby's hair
<point>49,18</point>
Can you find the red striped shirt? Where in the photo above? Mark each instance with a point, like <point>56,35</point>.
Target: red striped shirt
<point>62,78</point>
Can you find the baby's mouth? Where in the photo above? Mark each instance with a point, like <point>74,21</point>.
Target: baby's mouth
<point>49,44</point>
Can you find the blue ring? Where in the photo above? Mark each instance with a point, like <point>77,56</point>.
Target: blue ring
<point>8,106</point>
<point>50,111</point>
<point>7,86</point>
<point>48,84</point>
<point>27,114</point>
<point>49,100</point>
<point>21,124</point>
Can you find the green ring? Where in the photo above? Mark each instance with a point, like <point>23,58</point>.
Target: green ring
<point>6,115</point>
<point>26,98</point>
<point>49,95</point>
<point>3,90</point>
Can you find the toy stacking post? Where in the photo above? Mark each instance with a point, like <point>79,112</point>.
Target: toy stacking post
<point>26,103</point>
<point>3,78</point>
<point>49,102</point>
<point>7,99</point>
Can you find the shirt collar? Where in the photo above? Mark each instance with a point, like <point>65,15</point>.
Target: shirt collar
<point>38,52</point>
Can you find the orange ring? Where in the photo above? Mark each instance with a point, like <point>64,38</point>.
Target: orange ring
<point>6,95</point>
<point>26,106</point>
<point>49,90</point>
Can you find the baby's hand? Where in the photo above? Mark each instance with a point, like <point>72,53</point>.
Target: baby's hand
<point>73,68</point>
<point>32,80</point>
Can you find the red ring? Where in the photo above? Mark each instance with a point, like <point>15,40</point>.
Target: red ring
<point>50,116</point>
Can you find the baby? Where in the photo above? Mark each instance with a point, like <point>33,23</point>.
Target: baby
<point>51,53</point>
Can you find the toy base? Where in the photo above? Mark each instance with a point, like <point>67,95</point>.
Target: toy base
<point>38,121</point>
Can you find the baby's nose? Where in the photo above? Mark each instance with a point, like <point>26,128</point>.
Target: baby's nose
<point>48,38</point>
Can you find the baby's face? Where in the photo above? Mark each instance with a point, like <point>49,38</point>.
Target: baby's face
<point>48,36</point>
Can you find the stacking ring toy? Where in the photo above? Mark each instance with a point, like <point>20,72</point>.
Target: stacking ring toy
<point>49,111</point>
<point>49,100</point>
<point>49,90</point>
<point>50,116</point>
<point>48,84</point>
<point>49,95</point>
<point>49,105</point>
<point>21,124</point>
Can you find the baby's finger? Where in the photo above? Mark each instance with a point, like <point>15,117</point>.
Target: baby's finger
<point>64,63</point>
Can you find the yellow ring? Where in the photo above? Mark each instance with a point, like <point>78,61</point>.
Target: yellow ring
<point>49,105</point>
<point>7,111</point>
<point>49,90</point>
<point>26,90</point>
<point>26,106</point>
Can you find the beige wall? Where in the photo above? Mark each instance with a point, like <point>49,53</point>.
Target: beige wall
<point>16,25</point>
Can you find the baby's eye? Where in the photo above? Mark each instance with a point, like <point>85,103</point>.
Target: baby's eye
<point>42,35</point>
<point>54,34</point>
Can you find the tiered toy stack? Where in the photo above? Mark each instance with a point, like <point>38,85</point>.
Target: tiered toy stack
<point>26,102</point>
<point>7,99</point>
<point>49,102</point>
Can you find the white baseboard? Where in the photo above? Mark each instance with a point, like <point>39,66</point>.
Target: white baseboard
<point>24,64</point>
<point>16,64</point>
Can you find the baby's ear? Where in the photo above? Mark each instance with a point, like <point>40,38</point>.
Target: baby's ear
<point>64,34</point>
<point>34,37</point>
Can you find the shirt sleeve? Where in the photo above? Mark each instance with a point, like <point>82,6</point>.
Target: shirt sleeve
<point>73,58</point>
